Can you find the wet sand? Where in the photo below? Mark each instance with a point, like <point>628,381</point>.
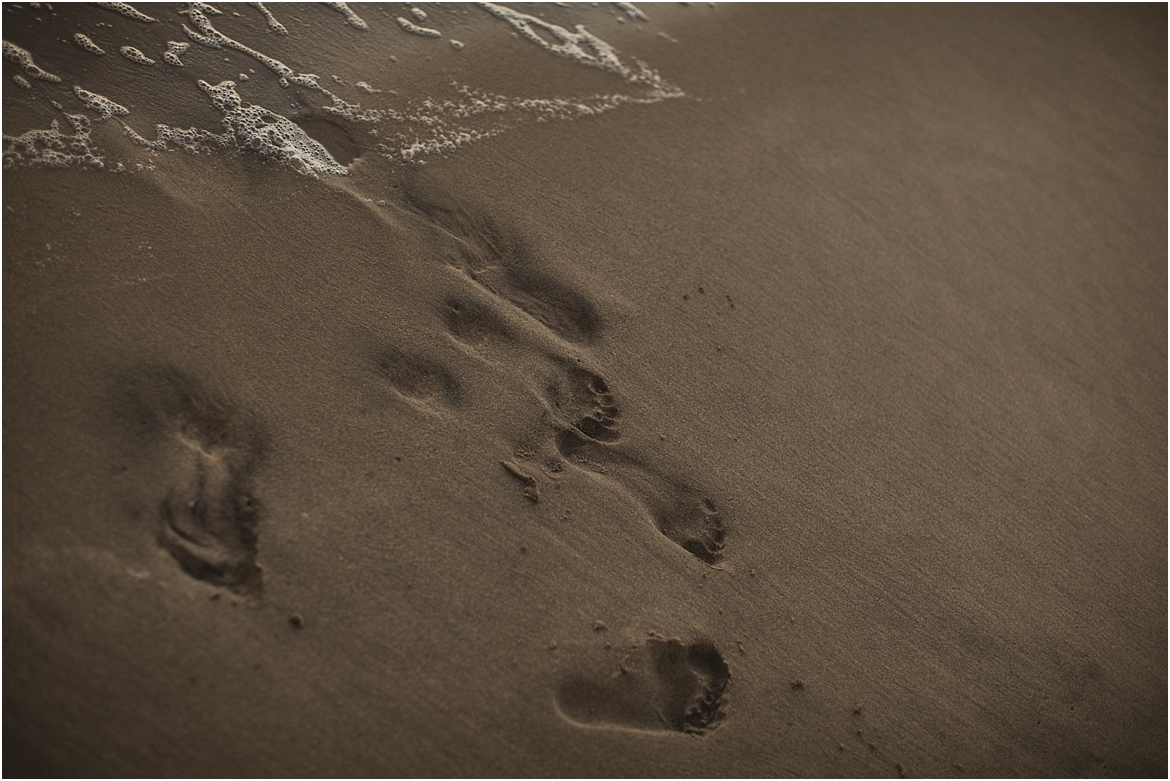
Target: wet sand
<point>733,391</point>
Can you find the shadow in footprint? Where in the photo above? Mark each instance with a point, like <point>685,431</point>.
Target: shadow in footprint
<point>573,393</point>
<point>680,512</point>
<point>665,685</point>
<point>208,518</point>
<point>582,398</point>
<point>504,266</point>
<point>422,382</point>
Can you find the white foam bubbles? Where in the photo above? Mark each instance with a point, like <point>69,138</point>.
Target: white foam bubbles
<point>53,149</point>
<point>411,27</point>
<point>632,11</point>
<point>351,112</point>
<point>83,40</point>
<point>213,38</point>
<point>570,46</point>
<point>273,24</point>
<point>192,140</point>
<point>175,50</point>
<point>106,108</point>
<point>25,61</point>
<point>354,20</point>
<point>478,115</point>
<point>127,10</point>
<point>132,54</point>
<point>442,141</point>
<point>270,135</point>
<point>414,128</point>
<point>573,45</point>
<point>248,128</point>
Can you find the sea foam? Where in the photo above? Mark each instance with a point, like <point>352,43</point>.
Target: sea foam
<point>132,54</point>
<point>25,61</point>
<point>175,50</point>
<point>83,40</point>
<point>127,10</point>
<point>406,129</point>
<point>106,108</point>
<point>268,134</point>
<point>53,149</point>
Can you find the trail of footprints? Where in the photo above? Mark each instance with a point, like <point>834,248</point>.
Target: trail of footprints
<point>208,519</point>
<point>583,413</point>
<point>663,684</point>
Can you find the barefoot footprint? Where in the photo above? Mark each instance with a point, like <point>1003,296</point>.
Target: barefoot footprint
<point>208,518</point>
<point>502,265</point>
<point>583,398</point>
<point>209,521</point>
<point>423,383</point>
<point>679,511</point>
<point>663,685</point>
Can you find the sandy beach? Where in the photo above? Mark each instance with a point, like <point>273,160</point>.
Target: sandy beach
<point>585,390</point>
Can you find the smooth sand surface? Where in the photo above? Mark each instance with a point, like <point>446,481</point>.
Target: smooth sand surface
<point>791,404</point>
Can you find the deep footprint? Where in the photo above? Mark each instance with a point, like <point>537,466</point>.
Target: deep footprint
<point>681,513</point>
<point>583,399</point>
<point>209,522</point>
<point>502,264</point>
<point>208,518</point>
<point>665,685</point>
<point>573,393</point>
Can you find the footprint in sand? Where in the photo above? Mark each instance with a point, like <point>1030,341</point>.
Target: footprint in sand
<point>583,412</point>
<point>503,265</point>
<point>575,393</point>
<point>662,685</point>
<point>208,516</point>
<point>582,398</point>
<point>421,382</point>
<point>680,511</point>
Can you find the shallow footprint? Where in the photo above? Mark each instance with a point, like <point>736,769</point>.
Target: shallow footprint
<point>560,309</point>
<point>693,523</point>
<point>574,394</point>
<point>665,685</point>
<point>420,381</point>
<point>476,325</point>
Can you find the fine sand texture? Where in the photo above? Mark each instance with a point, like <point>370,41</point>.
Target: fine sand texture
<point>604,390</point>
